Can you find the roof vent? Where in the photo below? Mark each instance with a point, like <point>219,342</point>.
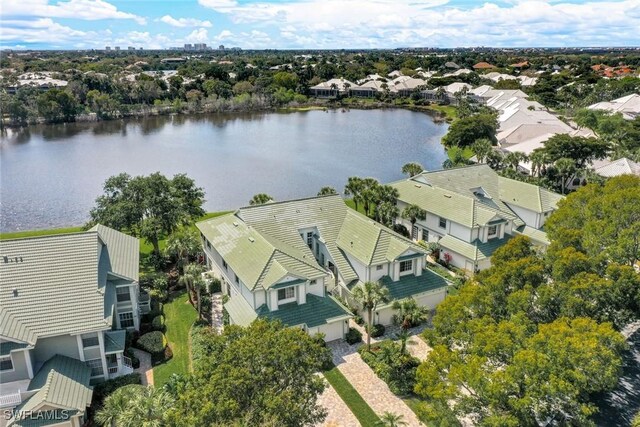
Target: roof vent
<point>448,196</point>
<point>235,224</point>
<point>15,292</point>
<point>418,186</point>
<point>6,259</point>
<point>251,239</point>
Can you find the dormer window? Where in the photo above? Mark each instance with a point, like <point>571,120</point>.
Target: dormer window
<point>286,294</point>
<point>492,231</point>
<point>406,266</point>
<point>310,239</point>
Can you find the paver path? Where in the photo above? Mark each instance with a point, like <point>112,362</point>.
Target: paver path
<point>146,369</point>
<point>216,312</point>
<point>372,389</point>
<point>339,414</point>
<point>417,347</point>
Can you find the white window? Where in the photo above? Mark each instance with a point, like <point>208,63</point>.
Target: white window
<point>286,293</point>
<point>442,223</point>
<point>90,340</point>
<point>425,234</point>
<point>310,239</point>
<point>493,231</point>
<point>237,279</point>
<point>126,320</point>
<point>123,294</point>
<point>225,265</point>
<point>406,266</point>
<point>96,367</point>
<point>6,364</point>
<point>313,282</point>
<point>379,267</point>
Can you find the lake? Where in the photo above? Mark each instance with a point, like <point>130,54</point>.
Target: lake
<point>52,174</point>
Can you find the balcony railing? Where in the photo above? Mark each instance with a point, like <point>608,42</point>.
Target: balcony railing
<point>9,400</point>
<point>126,362</point>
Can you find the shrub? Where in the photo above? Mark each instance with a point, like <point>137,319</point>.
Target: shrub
<point>401,229</point>
<point>155,344</point>
<point>131,338</point>
<point>359,320</point>
<point>354,336</point>
<point>104,389</point>
<point>377,330</point>
<point>395,368</point>
<point>215,286</point>
<point>158,323</point>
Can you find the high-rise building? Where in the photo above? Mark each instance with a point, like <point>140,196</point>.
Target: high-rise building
<point>117,47</point>
<point>188,46</point>
<point>108,48</point>
<point>199,46</point>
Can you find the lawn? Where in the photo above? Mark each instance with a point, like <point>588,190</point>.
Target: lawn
<point>449,111</point>
<point>179,316</point>
<point>351,398</point>
<point>352,205</point>
<point>35,233</point>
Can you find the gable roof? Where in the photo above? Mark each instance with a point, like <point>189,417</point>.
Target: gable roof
<point>63,383</point>
<point>474,195</point>
<point>51,284</point>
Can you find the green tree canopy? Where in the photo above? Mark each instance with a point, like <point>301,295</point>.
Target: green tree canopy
<point>260,199</point>
<point>464,132</point>
<point>369,295</point>
<point>326,191</point>
<point>265,374</point>
<point>148,206</point>
<point>135,405</point>
<point>412,169</point>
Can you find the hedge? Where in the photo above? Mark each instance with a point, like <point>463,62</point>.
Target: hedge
<point>154,343</point>
<point>158,323</point>
<point>354,336</point>
<point>377,330</point>
<point>395,368</point>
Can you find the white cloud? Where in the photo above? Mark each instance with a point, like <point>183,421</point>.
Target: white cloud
<point>198,36</point>
<point>42,30</point>
<point>185,22</point>
<point>89,10</point>
<point>219,5</point>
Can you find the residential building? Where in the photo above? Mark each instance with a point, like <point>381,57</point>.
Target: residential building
<point>472,211</point>
<point>332,88</point>
<point>610,168</point>
<point>288,260</point>
<point>483,66</point>
<point>66,302</point>
<point>628,106</point>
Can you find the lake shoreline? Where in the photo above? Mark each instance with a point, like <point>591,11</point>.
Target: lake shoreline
<point>438,115</point>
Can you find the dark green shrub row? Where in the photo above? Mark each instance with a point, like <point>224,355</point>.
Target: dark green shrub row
<point>154,343</point>
<point>158,323</point>
<point>396,368</point>
<point>377,330</point>
<point>354,336</point>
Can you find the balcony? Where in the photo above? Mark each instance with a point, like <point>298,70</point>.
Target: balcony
<point>115,370</point>
<point>10,400</point>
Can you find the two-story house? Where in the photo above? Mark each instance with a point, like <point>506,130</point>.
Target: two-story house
<point>66,302</point>
<point>286,260</point>
<point>472,211</point>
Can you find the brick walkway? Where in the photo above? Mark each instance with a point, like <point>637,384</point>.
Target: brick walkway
<point>417,347</point>
<point>145,370</point>
<point>372,389</point>
<point>339,414</point>
<point>216,312</point>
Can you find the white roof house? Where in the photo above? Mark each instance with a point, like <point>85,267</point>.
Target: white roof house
<point>611,168</point>
<point>628,106</point>
<point>456,87</point>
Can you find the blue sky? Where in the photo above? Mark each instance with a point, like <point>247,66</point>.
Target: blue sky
<point>290,24</point>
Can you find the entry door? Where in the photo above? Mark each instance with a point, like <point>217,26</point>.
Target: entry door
<point>414,232</point>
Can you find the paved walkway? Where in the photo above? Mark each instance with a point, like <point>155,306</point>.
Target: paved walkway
<point>339,414</point>
<point>417,347</point>
<point>145,370</point>
<point>372,389</point>
<point>216,312</point>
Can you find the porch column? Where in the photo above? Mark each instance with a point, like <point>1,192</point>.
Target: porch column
<point>103,358</point>
<point>27,357</point>
<point>80,347</point>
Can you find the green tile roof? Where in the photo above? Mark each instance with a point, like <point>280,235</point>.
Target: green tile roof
<point>114,341</point>
<point>63,383</point>
<point>474,195</point>
<point>54,288</point>
<point>315,312</point>
<point>240,311</point>
<point>411,284</point>
<point>123,254</point>
<point>8,346</point>
<point>476,250</point>
<point>537,236</point>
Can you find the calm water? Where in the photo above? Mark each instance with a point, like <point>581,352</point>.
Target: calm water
<point>52,174</point>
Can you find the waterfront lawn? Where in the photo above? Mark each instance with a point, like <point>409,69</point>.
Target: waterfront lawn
<point>467,152</point>
<point>35,233</point>
<point>351,398</point>
<point>179,316</point>
<point>449,111</point>
<point>352,205</point>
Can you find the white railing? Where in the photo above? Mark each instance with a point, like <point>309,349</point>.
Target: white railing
<point>126,362</point>
<point>113,369</point>
<point>9,400</point>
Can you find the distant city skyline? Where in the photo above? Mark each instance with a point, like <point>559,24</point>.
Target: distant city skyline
<point>317,24</point>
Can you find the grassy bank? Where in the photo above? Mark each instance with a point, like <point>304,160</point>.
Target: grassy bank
<point>36,233</point>
<point>179,316</point>
<point>351,398</point>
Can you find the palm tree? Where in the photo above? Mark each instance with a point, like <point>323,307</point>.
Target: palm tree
<point>389,419</point>
<point>495,160</point>
<point>412,169</point>
<point>334,88</point>
<point>513,159</point>
<point>539,159</point>
<point>409,313</point>
<point>369,295</point>
<point>386,213</point>
<point>182,245</point>
<point>414,213</point>
<point>354,189</point>
<point>481,148</point>
<point>260,199</point>
<point>192,273</point>
<point>199,285</point>
<point>135,405</point>
<point>326,191</point>
<point>403,336</point>
<point>566,168</point>
<point>369,193</point>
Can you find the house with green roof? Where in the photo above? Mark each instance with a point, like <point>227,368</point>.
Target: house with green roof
<point>472,211</point>
<point>66,302</point>
<point>287,261</point>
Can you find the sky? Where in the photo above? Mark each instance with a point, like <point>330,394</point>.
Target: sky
<point>317,24</point>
